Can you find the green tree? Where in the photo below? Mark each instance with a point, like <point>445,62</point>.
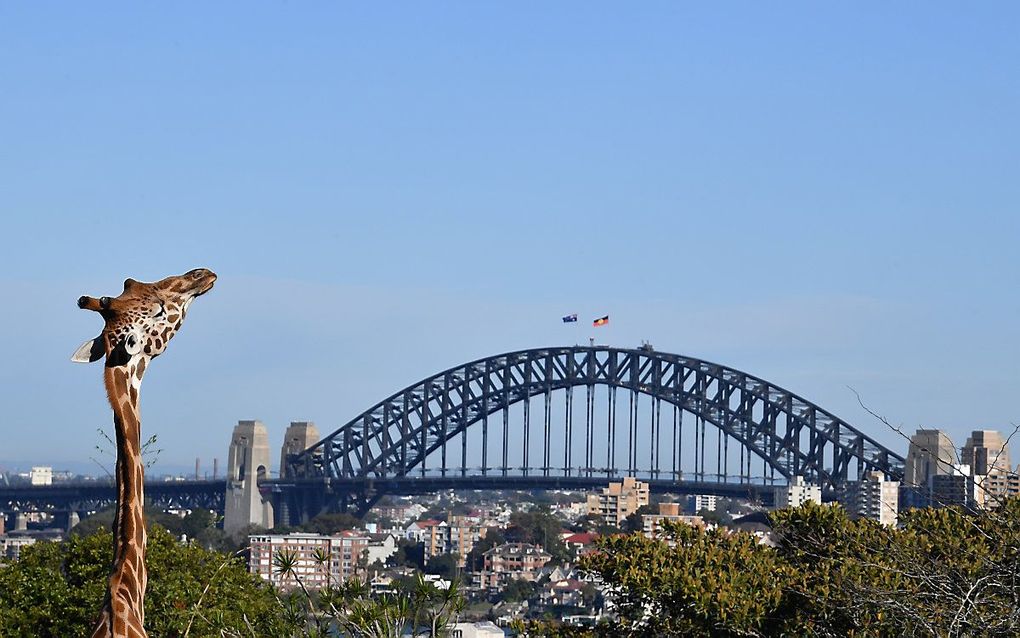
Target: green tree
<point>538,527</point>
<point>633,522</point>
<point>57,589</point>
<point>408,554</point>
<point>594,523</point>
<point>444,566</point>
<point>944,572</point>
<point>712,516</point>
<point>418,606</point>
<point>519,590</point>
<point>331,523</point>
<point>555,629</point>
<point>699,584</point>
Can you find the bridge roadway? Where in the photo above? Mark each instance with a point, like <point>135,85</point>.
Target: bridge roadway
<point>359,494</point>
<point>91,496</point>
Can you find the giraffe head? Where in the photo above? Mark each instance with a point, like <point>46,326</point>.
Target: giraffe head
<point>143,319</point>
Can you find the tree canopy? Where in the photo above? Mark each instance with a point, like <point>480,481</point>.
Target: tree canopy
<point>944,572</point>
<point>56,590</point>
<point>538,527</point>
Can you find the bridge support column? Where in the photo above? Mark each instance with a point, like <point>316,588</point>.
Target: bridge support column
<point>66,520</point>
<point>300,436</point>
<point>247,462</point>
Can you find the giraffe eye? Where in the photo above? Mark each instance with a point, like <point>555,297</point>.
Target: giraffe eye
<point>104,302</point>
<point>132,344</point>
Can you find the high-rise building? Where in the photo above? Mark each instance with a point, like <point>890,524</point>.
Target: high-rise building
<point>931,453</point>
<point>985,452</point>
<point>956,488</point>
<point>456,536</point>
<point>796,493</point>
<point>618,501</point>
<point>874,497</point>
<point>997,486</point>
<point>349,554</point>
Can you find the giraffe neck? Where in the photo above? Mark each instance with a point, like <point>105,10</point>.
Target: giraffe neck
<point>123,614</point>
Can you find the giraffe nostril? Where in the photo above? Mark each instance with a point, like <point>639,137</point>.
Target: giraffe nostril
<point>83,301</point>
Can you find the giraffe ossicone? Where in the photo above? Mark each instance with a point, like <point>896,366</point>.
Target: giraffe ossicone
<point>138,325</point>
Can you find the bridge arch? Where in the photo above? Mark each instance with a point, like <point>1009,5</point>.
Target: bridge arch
<point>789,435</point>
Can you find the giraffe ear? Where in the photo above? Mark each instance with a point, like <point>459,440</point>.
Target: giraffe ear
<point>91,350</point>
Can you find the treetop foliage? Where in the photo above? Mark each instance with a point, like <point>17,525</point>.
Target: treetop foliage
<point>57,589</point>
<point>944,572</point>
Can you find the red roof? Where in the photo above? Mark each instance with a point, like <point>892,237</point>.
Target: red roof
<point>581,538</point>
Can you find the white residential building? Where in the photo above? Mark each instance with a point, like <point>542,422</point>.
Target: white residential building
<point>700,502</point>
<point>484,629</point>
<point>875,498</point>
<point>797,493</point>
<point>380,548</point>
<point>41,475</point>
<point>11,546</point>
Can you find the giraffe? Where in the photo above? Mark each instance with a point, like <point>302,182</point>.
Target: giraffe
<point>139,324</point>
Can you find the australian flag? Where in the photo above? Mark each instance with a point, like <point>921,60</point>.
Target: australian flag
<point>570,318</point>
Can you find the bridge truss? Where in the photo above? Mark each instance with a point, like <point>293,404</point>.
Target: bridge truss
<point>60,499</point>
<point>584,413</point>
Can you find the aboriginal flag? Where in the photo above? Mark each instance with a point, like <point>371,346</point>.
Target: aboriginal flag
<point>601,321</point>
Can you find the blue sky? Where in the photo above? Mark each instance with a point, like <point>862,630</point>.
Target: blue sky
<point>825,196</point>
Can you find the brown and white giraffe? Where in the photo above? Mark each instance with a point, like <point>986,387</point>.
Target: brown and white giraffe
<point>139,325</point>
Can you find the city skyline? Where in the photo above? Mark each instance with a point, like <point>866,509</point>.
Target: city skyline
<point>413,189</point>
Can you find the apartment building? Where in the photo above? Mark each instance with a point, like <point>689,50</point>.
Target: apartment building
<point>456,536</point>
<point>796,493</point>
<point>512,561</point>
<point>651,524</point>
<point>874,497</point>
<point>318,560</point>
<point>618,501</point>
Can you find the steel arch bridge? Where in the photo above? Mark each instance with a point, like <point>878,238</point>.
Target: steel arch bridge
<point>419,432</point>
